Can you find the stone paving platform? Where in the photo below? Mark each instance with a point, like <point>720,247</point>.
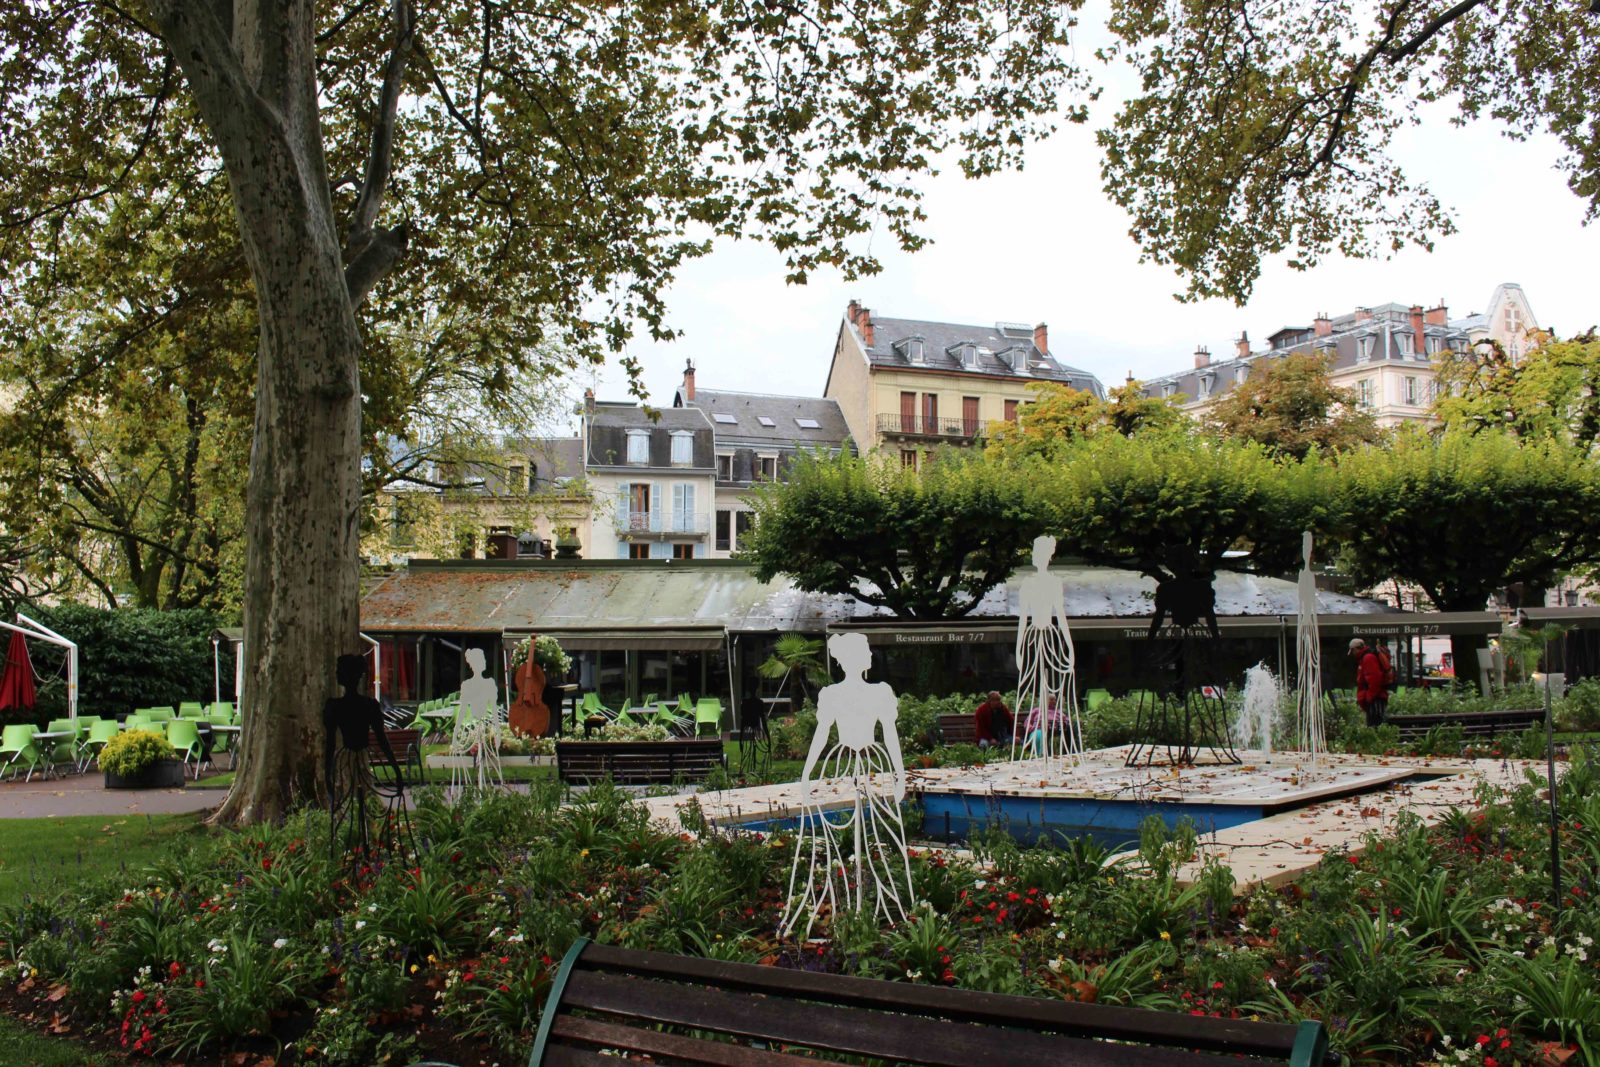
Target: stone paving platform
<point>1310,810</point>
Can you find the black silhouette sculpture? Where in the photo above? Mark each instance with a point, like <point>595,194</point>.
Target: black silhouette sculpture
<point>1178,715</point>
<point>350,722</point>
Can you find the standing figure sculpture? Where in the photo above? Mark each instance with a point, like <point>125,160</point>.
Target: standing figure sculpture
<point>349,723</point>
<point>477,729</point>
<point>851,857</point>
<point>1308,657</point>
<point>1046,664</point>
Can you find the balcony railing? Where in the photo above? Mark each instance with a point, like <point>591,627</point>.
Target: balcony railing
<point>924,426</point>
<point>631,524</point>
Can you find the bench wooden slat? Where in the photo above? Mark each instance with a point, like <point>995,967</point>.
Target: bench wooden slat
<point>637,761</point>
<point>567,1056</point>
<point>854,1031</point>
<point>1472,723</point>
<point>1101,1020</point>
<point>958,729</point>
<point>659,1043</point>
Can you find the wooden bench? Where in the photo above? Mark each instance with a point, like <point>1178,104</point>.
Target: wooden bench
<point>958,729</point>
<point>679,1009</point>
<point>1474,724</point>
<point>407,747</point>
<point>638,762</point>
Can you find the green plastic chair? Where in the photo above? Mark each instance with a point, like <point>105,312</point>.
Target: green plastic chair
<point>219,742</point>
<point>101,732</point>
<point>17,748</point>
<point>184,735</point>
<point>136,722</point>
<point>64,751</point>
<point>162,714</point>
<point>1093,698</point>
<point>708,712</point>
<point>590,706</point>
<point>191,709</point>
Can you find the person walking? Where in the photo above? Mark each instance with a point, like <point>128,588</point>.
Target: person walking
<point>1372,691</point>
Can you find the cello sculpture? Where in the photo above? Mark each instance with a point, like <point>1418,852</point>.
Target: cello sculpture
<point>529,713</point>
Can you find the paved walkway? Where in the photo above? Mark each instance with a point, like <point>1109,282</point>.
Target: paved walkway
<point>86,794</point>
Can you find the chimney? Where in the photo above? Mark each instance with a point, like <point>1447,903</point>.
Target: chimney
<point>1363,314</point>
<point>864,324</point>
<point>1131,378</point>
<point>1244,344</point>
<point>1438,316</point>
<point>1041,339</point>
<point>588,403</point>
<point>688,380</point>
<point>852,311</point>
<point>1202,358</point>
<point>1323,324</point>
<point>1419,338</point>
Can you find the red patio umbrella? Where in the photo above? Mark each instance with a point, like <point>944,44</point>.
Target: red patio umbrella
<point>16,684</point>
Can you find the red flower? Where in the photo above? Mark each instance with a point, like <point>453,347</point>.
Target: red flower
<point>138,996</point>
<point>1490,1061</point>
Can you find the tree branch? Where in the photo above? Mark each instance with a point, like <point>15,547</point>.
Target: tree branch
<point>377,258</point>
<point>380,159</point>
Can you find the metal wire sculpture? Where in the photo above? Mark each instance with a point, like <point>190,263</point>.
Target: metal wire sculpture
<point>851,856</point>
<point>1047,667</point>
<point>1308,660</point>
<point>475,739</point>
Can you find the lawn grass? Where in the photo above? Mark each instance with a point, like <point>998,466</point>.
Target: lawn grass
<point>22,1047</point>
<point>42,856</point>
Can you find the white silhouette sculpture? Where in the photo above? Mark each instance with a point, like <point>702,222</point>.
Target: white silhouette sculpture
<point>1046,663</point>
<point>1308,659</point>
<point>851,857</point>
<point>477,730</point>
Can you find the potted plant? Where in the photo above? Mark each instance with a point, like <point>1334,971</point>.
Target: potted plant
<point>553,665</point>
<point>140,759</point>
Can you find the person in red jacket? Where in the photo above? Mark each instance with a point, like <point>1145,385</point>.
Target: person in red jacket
<point>1372,694</point>
<point>994,722</point>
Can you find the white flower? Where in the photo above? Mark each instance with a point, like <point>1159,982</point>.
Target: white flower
<point>282,942</point>
<point>361,924</point>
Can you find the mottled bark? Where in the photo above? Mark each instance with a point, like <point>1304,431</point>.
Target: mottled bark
<point>251,68</point>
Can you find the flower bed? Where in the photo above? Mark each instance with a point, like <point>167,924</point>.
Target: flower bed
<point>1434,945</point>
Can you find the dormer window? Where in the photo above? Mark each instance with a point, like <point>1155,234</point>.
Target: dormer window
<point>1364,349</point>
<point>639,447</point>
<point>1240,375</point>
<point>682,448</point>
<point>964,353</point>
<point>1206,382</point>
<point>1169,388</point>
<point>911,348</point>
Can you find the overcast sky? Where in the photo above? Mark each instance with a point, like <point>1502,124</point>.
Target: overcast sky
<point>1045,245</point>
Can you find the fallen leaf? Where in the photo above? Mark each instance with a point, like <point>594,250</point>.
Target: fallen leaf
<point>57,992</point>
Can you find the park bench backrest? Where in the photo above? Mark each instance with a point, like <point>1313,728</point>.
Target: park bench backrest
<point>635,993</point>
<point>958,729</point>
<point>407,746</point>
<point>637,761</point>
<point>1472,723</point>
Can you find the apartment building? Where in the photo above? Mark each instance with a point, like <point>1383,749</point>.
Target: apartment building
<point>907,385</point>
<point>756,437</point>
<point>652,480</point>
<point>1387,356</point>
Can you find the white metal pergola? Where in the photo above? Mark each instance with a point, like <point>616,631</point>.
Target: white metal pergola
<point>40,632</point>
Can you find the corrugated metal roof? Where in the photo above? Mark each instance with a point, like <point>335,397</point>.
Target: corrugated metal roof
<point>494,597</point>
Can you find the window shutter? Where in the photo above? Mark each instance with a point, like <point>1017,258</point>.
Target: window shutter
<point>624,501</point>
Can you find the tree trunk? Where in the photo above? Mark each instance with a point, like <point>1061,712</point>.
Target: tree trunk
<point>252,69</point>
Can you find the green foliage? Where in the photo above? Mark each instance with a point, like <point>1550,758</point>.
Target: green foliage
<point>1290,407</point>
<point>1579,709</point>
<point>1462,515</point>
<point>547,653</point>
<point>1172,506</point>
<point>132,752</point>
<point>1060,414</point>
<point>1259,134</point>
<point>798,656</point>
<point>960,526</point>
<point>1548,393</point>
<point>128,658</point>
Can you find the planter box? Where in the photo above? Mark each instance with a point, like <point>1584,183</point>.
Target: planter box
<point>162,774</point>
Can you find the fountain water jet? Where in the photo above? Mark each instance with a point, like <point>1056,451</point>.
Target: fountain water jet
<point>1259,709</point>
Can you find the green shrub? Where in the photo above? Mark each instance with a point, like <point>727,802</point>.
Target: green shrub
<point>128,658</point>
<point>131,752</point>
<point>1580,708</point>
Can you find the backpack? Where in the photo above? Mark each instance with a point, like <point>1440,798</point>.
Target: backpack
<point>1389,678</point>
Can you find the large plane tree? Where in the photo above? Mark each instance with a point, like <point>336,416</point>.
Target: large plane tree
<point>538,170</point>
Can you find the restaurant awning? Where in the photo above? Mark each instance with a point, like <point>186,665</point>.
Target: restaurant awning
<point>1131,628</point>
<point>1584,618</point>
<point>698,639</point>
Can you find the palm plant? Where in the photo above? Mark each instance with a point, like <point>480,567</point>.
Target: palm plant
<point>797,656</point>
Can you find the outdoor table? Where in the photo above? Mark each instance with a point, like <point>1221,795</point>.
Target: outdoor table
<point>234,733</point>
<point>46,740</point>
<point>440,716</point>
